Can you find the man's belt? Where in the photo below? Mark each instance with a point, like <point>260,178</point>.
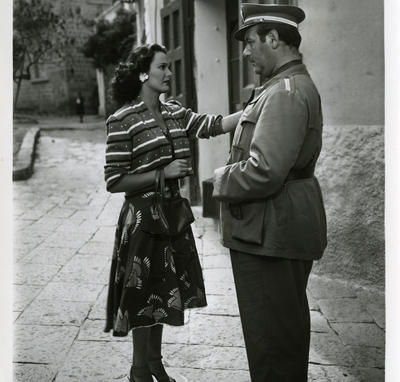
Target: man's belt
<point>303,173</point>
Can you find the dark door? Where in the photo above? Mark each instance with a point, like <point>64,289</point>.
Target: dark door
<point>177,35</point>
<point>242,79</point>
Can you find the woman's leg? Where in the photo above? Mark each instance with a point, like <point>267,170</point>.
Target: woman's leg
<point>140,371</point>
<point>154,353</point>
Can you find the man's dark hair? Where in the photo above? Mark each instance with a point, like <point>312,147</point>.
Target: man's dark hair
<point>288,34</point>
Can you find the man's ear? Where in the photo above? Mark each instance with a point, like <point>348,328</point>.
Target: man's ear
<point>273,38</point>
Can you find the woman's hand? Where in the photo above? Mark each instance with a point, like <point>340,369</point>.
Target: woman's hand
<point>176,169</point>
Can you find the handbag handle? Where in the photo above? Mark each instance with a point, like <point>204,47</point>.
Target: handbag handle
<point>160,184</point>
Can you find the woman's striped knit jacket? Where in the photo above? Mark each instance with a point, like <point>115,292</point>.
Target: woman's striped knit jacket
<point>136,143</point>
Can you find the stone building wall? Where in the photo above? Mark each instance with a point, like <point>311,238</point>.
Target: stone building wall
<point>60,83</point>
<point>343,47</point>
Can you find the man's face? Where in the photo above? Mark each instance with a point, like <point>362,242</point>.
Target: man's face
<point>259,53</point>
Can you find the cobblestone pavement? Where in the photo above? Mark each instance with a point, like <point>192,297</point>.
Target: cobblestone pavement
<point>64,227</point>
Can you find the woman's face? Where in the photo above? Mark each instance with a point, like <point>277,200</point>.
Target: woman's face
<point>159,73</point>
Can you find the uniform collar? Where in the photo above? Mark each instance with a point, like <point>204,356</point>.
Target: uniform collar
<point>290,68</point>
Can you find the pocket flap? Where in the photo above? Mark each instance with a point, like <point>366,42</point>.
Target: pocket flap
<point>249,228</point>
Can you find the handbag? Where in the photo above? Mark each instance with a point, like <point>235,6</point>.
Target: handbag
<point>171,216</point>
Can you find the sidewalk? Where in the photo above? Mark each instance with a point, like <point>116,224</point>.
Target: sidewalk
<point>64,228</point>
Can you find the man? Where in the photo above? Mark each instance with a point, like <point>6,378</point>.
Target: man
<point>272,213</point>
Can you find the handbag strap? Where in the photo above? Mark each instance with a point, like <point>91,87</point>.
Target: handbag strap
<point>159,184</point>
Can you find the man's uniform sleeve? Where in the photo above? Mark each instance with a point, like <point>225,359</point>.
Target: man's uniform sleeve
<point>278,137</point>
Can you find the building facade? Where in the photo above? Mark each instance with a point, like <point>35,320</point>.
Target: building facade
<point>343,48</point>
<point>54,86</point>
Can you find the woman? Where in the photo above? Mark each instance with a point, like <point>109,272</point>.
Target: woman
<point>153,278</point>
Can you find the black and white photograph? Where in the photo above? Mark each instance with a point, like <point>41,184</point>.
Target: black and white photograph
<point>200,191</point>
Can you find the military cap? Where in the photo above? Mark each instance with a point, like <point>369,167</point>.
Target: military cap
<point>253,14</point>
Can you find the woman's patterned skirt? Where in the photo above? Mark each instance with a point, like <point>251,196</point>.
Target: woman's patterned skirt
<point>153,278</point>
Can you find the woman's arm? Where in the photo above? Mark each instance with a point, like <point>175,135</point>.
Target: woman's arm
<point>203,125</point>
<point>134,183</point>
<point>230,121</point>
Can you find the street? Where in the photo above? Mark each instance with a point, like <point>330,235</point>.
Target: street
<point>64,229</point>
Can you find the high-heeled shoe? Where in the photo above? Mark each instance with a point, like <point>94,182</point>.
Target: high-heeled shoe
<point>156,367</point>
<point>140,373</point>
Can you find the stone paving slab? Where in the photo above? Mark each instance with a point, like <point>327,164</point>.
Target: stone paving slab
<point>319,323</point>
<point>34,274</point>
<point>360,334</point>
<point>62,313</point>
<point>327,349</point>
<point>205,357</point>
<point>220,305</point>
<point>83,269</point>
<point>215,330</point>
<point>92,361</point>
<point>43,254</point>
<point>217,261</point>
<point>97,248</point>
<point>43,344</point>
<point>28,372</point>
<point>70,291</point>
<point>344,310</point>
<point>23,296</point>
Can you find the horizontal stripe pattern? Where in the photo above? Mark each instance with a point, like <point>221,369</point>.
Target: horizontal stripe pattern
<point>135,143</point>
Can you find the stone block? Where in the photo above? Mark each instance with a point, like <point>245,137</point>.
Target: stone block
<point>225,305</point>
<point>46,312</point>
<point>61,212</point>
<point>98,311</point>
<point>34,274</point>
<point>176,334</point>
<point>374,303</point>
<point>105,234</point>
<point>42,344</point>
<point>71,240</point>
<point>312,302</point>
<point>367,357</point>
<point>327,349</point>
<point>98,248</point>
<point>332,373</point>
<point>323,287</point>
<point>46,224</point>
<point>67,291</point>
<point>319,323</point>
<point>28,372</point>
<point>205,357</point>
<point>213,247</point>
<point>217,261</point>
<point>344,310</point>
<point>219,288</point>
<point>218,275</point>
<point>23,296</point>
<point>49,255</point>
<point>83,269</point>
<point>204,375</point>
<point>92,361</point>
<point>93,330</point>
<point>215,330</point>
<point>360,334</point>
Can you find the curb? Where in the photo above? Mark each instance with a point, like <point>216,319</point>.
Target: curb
<point>23,165</point>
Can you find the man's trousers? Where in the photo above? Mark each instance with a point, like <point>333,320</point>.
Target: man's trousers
<point>275,316</point>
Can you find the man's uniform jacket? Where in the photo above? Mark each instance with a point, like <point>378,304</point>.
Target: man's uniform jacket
<point>271,200</point>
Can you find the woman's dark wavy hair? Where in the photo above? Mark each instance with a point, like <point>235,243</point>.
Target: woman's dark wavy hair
<point>287,33</point>
<point>126,85</point>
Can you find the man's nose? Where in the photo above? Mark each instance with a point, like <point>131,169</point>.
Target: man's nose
<point>246,52</point>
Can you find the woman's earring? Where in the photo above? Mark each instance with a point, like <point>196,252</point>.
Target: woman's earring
<point>143,77</point>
